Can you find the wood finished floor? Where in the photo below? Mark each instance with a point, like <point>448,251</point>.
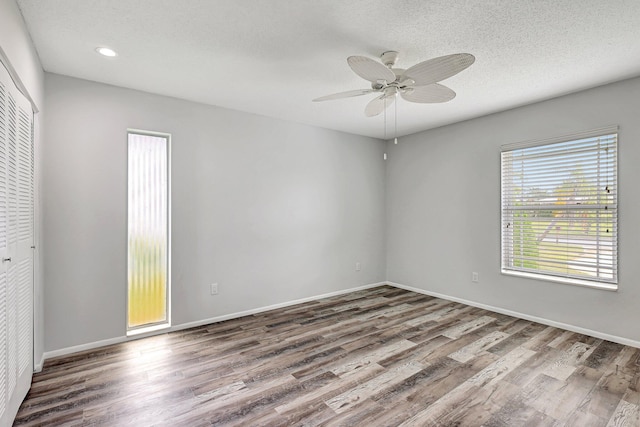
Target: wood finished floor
<point>378,357</point>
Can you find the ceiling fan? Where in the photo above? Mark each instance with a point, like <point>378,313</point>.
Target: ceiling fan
<point>415,84</point>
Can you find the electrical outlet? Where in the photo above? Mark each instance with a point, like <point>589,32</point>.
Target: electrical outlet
<point>475,277</point>
<point>214,289</point>
<point>357,266</point>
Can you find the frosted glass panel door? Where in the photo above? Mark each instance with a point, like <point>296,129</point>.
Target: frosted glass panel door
<point>148,224</point>
<point>16,247</point>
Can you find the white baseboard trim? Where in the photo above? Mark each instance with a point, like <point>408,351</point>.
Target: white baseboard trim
<point>117,340</point>
<point>89,346</point>
<point>37,366</point>
<point>560,325</point>
<point>271,307</point>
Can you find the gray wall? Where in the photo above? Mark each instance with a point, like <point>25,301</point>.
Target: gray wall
<point>443,210</point>
<point>20,56</point>
<point>275,211</point>
<point>272,211</point>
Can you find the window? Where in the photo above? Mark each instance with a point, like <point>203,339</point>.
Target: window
<point>559,209</point>
<point>148,231</point>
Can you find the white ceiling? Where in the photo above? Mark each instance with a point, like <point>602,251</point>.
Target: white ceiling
<point>273,57</point>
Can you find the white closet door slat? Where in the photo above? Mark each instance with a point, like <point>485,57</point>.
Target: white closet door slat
<point>24,220</point>
<point>25,269</point>
<point>12,171</point>
<point>3,166</point>
<point>12,330</point>
<point>3,342</point>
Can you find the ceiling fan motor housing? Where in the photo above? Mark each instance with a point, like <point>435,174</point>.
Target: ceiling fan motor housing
<point>389,58</point>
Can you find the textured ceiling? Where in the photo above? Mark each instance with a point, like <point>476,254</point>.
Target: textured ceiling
<point>273,57</point>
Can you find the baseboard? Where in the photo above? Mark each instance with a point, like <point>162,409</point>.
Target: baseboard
<point>560,325</point>
<point>117,340</point>
<point>37,366</point>
<point>270,307</point>
<point>83,347</point>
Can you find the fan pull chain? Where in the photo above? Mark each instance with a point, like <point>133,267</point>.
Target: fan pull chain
<point>385,117</point>
<point>395,121</point>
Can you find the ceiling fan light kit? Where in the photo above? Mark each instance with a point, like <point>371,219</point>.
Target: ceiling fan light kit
<point>418,83</point>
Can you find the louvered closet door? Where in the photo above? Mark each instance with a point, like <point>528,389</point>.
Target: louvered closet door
<point>16,253</point>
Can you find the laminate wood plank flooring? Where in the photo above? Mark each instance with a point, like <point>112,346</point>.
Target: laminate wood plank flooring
<point>377,357</point>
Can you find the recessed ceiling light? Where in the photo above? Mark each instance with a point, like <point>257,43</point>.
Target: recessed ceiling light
<point>105,51</point>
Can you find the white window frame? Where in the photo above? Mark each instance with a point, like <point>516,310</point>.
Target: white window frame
<point>152,327</point>
<point>507,239</point>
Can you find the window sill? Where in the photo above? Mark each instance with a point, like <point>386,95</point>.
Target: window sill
<point>564,280</point>
<point>148,329</point>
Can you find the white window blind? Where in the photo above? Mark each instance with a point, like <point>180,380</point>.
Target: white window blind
<point>559,207</point>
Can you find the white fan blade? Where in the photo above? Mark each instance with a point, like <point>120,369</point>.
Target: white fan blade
<point>370,70</point>
<point>378,105</point>
<point>347,94</point>
<point>429,94</point>
<point>436,69</point>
